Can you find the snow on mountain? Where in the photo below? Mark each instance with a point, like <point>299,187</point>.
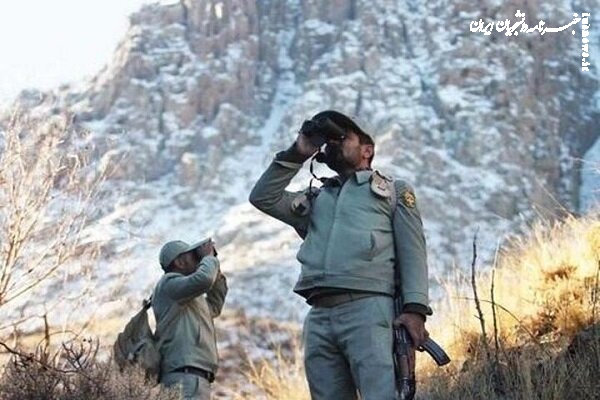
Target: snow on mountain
<point>201,94</point>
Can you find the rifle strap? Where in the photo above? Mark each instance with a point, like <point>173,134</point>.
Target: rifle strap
<point>394,205</point>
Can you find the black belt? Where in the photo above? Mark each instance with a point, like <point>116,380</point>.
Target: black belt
<point>328,301</point>
<point>209,376</point>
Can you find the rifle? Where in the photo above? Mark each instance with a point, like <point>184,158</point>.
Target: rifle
<point>406,384</point>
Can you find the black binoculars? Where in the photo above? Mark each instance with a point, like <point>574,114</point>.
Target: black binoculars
<point>322,130</point>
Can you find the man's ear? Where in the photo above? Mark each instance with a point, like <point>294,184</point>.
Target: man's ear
<point>367,150</point>
<point>176,264</point>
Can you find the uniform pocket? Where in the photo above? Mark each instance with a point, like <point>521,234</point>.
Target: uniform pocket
<point>359,245</point>
<point>190,385</point>
<point>311,251</point>
<point>385,308</point>
<point>380,241</point>
<point>374,245</point>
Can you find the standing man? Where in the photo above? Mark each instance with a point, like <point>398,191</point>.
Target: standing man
<point>353,240</point>
<point>186,299</point>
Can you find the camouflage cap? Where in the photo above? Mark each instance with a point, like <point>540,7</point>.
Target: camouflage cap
<point>344,122</point>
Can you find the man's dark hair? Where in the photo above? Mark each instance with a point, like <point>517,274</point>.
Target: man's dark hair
<point>169,268</point>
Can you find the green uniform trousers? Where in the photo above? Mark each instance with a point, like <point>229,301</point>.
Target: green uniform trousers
<point>190,386</point>
<point>348,350</point>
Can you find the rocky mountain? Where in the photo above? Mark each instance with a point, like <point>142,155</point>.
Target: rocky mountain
<point>490,129</point>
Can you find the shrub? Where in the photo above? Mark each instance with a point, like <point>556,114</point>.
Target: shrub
<point>73,372</point>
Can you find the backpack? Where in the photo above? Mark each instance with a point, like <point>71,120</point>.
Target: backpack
<point>138,346</point>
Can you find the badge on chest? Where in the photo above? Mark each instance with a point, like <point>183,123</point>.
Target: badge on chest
<point>381,185</point>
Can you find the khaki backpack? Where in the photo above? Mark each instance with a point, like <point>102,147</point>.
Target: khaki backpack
<point>138,346</point>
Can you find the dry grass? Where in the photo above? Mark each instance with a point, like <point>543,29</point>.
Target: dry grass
<point>280,378</point>
<point>72,372</point>
<point>544,344</point>
<point>546,301</point>
<point>545,288</point>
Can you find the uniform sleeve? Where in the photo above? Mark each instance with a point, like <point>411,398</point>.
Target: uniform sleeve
<point>216,295</point>
<point>411,251</point>
<point>181,288</point>
<point>269,194</point>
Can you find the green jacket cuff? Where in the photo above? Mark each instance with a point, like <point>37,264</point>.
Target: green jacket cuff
<point>417,309</point>
<point>291,155</point>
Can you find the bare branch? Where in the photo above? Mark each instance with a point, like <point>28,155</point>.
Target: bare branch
<point>519,322</point>
<point>31,358</point>
<point>476,297</point>
<point>494,316</point>
<point>47,193</point>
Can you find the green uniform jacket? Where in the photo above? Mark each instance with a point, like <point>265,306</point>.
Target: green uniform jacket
<point>353,238</point>
<point>190,340</point>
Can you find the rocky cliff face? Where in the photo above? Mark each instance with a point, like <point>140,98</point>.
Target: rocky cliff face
<point>201,94</point>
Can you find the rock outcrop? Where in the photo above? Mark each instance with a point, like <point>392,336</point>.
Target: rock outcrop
<point>201,94</point>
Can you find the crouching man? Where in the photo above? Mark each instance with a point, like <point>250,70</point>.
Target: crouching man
<point>186,299</point>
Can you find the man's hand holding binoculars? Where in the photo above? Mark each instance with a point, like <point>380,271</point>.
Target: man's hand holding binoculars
<point>315,133</point>
<point>207,249</point>
<point>305,146</point>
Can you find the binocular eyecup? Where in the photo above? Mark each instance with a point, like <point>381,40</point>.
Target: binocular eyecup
<point>322,130</point>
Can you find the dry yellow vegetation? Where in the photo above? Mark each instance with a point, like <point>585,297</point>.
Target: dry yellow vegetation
<point>540,306</point>
<point>541,310</point>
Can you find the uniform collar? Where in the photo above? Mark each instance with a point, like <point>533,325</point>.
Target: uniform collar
<point>363,176</point>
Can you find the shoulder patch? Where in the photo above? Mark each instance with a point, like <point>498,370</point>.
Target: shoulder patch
<point>384,176</point>
<point>407,197</point>
<point>381,185</point>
